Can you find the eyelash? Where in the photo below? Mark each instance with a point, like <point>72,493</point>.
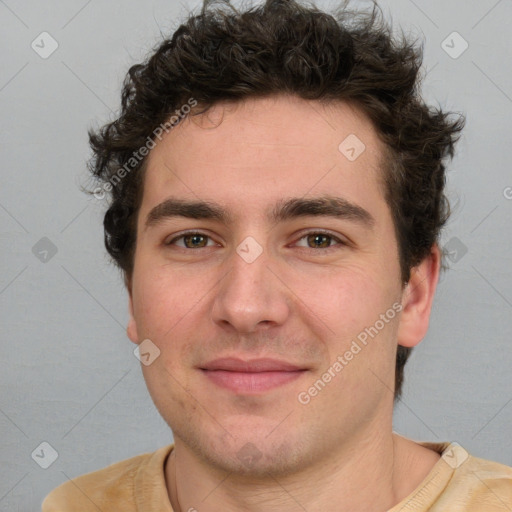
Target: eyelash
<point>303,235</point>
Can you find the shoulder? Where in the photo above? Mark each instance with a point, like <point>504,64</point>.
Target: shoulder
<point>487,484</point>
<point>113,485</point>
<point>476,484</point>
<point>460,482</point>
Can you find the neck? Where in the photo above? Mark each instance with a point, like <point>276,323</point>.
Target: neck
<point>370,474</point>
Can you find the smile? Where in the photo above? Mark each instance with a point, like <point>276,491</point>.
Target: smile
<point>251,382</point>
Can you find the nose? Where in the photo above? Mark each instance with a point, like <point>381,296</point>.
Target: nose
<point>251,296</point>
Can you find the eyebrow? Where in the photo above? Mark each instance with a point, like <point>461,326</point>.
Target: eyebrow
<point>285,209</point>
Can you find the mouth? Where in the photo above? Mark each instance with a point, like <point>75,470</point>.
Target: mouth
<point>251,377</point>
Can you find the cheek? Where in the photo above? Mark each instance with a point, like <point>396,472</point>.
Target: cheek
<point>351,308</point>
<point>162,301</point>
<point>346,299</point>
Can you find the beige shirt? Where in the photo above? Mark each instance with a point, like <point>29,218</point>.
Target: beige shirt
<point>457,483</point>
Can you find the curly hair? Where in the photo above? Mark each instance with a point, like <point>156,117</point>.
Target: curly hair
<point>285,47</point>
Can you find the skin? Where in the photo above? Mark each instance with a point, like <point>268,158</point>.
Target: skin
<point>301,300</point>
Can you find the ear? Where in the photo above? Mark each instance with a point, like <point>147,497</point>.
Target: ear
<point>417,299</point>
<point>131,328</point>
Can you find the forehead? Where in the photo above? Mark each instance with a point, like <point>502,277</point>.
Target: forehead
<point>265,148</point>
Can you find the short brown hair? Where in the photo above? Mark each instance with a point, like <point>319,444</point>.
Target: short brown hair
<point>285,47</point>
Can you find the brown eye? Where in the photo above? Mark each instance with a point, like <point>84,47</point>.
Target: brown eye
<point>191,240</point>
<point>319,240</point>
<point>196,240</point>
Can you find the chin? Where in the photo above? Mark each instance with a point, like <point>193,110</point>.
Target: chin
<point>254,456</point>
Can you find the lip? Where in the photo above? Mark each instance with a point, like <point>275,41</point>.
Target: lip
<point>251,377</point>
<point>234,364</point>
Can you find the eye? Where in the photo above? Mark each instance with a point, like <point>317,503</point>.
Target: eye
<point>313,240</point>
<point>320,240</point>
<point>191,240</point>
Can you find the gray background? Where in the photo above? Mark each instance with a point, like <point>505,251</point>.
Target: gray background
<point>68,375</point>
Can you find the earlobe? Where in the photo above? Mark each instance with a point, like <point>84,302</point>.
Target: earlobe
<point>417,300</point>
<point>131,328</point>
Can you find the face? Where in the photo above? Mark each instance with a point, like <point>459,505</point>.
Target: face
<point>270,270</point>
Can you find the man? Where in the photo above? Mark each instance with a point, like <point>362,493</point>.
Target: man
<point>276,200</point>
